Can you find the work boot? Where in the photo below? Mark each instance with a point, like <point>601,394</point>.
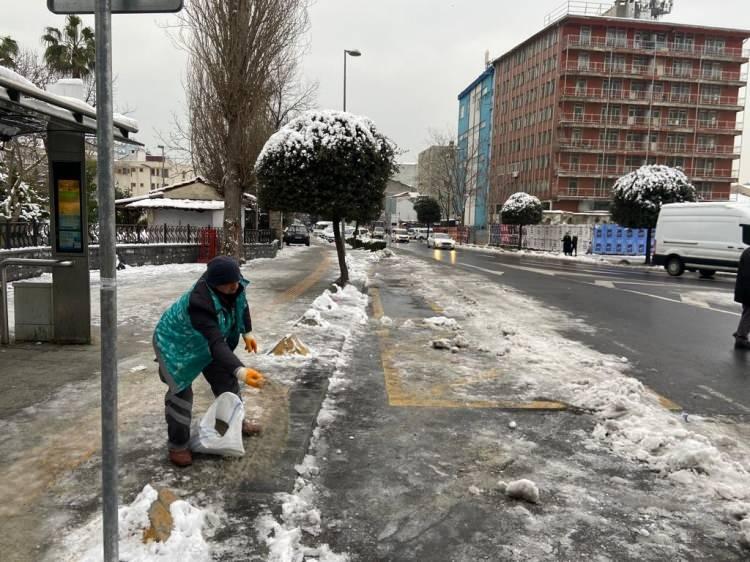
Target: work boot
<point>251,427</point>
<point>741,343</point>
<point>181,457</point>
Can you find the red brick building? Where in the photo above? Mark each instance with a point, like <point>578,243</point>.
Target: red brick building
<point>588,99</point>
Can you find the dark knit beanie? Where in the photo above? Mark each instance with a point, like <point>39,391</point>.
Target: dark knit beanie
<point>222,270</point>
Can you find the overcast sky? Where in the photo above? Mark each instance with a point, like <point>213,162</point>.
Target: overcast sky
<point>417,55</point>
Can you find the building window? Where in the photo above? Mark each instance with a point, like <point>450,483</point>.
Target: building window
<point>132,185</point>
<point>678,117</point>
<point>616,37</point>
<point>711,94</point>
<point>585,36</point>
<point>683,42</point>
<point>583,61</point>
<point>572,186</point>
<point>714,46</point>
<point>682,67</point>
<point>711,71</point>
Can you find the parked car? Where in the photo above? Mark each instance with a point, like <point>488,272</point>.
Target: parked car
<point>328,234</point>
<point>420,233</point>
<point>399,235</point>
<point>296,234</point>
<point>703,237</point>
<point>441,240</point>
<point>320,228</point>
<point>378,232</point>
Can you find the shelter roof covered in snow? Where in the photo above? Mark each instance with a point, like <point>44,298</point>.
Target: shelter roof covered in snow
<point>26,109</point>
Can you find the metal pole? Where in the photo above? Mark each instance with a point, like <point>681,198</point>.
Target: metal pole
<point>108,272</point>
<point>344,80</point>
<point>5,340</point>
<point>162,165</point>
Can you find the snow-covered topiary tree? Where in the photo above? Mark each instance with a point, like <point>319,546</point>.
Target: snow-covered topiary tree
<point>327,163</point>
<point>522,209</point>
<point>638,196</point>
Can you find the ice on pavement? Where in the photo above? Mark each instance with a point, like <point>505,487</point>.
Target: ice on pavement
<point>185,544</point>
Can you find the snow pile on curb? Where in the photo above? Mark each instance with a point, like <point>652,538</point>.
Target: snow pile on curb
<point>442,322</point>
<point>344,310</point>
<point>185,544</point>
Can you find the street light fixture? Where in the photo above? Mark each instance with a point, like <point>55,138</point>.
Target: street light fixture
<point>351,53</point>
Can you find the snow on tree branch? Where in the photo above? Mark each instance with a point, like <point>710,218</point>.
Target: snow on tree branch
<point>522,208</point>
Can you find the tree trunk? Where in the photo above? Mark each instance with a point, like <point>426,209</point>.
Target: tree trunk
<point>648,246</point>
<point>341,252</point>
<point>520,236</point>
<point>356,229</point>
<point>232,245</point>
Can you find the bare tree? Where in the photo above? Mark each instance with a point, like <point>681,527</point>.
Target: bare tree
<point>234,48</point>
<point>455,170</point>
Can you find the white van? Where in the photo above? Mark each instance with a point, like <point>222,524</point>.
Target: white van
<point>320,227</point>
<point>707,237</point>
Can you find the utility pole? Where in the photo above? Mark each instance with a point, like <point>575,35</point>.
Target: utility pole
<point>162,163</point>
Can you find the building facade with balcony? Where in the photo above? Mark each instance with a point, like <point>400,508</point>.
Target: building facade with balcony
<point>474,143</point>
<point>590,98</point>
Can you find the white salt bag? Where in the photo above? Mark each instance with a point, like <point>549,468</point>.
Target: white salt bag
<point>205,438</point>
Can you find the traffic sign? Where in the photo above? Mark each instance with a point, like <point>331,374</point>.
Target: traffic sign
<point>118,6</point>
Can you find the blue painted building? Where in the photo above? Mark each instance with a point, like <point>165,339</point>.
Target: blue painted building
<point>474,144</point>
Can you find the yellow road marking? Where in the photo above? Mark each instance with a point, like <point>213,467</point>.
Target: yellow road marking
<point>399,397</point>
<point>298,289</point>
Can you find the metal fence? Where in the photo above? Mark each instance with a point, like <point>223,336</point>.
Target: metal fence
<point>543,237</point>
<point>29,234</point>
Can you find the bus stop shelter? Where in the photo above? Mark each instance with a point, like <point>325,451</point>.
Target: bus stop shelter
<point>64,120</point>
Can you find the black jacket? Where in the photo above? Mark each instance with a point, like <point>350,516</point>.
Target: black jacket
<point>205,318</point>
<point>742,285</point>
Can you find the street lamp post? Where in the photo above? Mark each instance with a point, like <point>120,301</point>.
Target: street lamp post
<point>162,163</point>
<point>351,53</point>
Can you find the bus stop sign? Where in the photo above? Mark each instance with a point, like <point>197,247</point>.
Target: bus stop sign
<point>118,6</point>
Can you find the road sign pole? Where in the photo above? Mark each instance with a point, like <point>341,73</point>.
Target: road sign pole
<point>108,273</point>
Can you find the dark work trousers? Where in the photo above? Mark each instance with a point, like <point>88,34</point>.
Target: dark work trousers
<point>178,407</point>
<point>744,327</point>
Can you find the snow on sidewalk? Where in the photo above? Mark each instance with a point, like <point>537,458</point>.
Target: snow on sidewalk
<point>292,538</point>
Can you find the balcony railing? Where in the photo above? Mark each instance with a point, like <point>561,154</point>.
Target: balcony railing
<point>604,170</point>
<point>677,73</point>
<point>667,47</point>
<point>646,96</point>
<point>646,146</point>
<point>656,123</point>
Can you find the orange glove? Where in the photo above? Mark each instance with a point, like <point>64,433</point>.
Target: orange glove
<point>251,377</point>
<point>250,344</point>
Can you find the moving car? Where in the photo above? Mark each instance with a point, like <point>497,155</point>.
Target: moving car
<point>707,237</point>
<point>399,235</point>
<point>419,233</point>
<point>296,234</point>
<point>441,240</point>
<point>378,232</point>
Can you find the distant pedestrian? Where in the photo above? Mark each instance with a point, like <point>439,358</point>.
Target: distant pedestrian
<point>742,296</point>
<point>567,244</point>
<point>574,243</point>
